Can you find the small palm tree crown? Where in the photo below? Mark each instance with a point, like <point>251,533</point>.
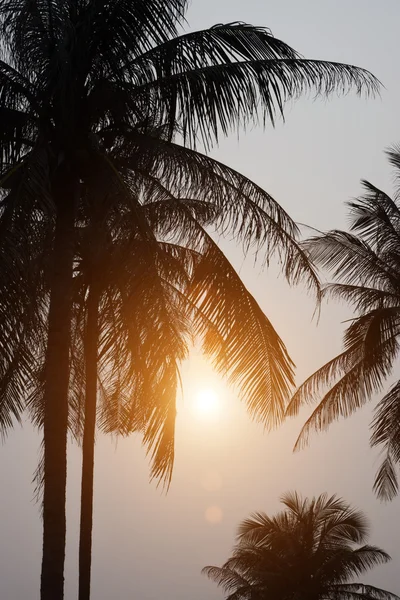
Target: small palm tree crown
<point>365,264</point>
<point>311,550</point>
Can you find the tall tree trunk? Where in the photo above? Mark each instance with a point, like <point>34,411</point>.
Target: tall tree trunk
<point>86,525</point>
<point>56,392</point>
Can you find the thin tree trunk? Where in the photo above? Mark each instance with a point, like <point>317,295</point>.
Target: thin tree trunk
<point>86,525</point>
<point>56,394</point>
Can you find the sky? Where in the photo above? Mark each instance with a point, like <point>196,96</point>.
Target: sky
<point>148,545</point>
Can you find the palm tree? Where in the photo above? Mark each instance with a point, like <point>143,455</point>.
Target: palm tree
<point>309,551</point>
<point>366,269</point>
<point>82,85</point>
<point>133,323</point>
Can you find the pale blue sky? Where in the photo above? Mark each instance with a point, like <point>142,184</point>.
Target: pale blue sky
<point>151,547</point>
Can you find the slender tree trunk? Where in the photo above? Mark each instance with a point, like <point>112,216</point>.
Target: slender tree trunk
<point>56,393</point>
<point>91,345</point>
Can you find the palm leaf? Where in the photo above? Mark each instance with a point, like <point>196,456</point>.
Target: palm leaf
<point>351,259</point>
<point>386,433</point>
<point>241,207</point>
<point>235,93</point>
<point>362,298</point>
<point>359,591</point>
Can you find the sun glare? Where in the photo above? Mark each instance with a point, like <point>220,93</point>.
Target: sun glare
<point>207,403</point>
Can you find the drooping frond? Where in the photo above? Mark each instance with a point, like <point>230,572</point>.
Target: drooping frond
<point>359,591</point>
<point>253,358</point>
<point>347,563</point>
<point>23,307</point>
<point>362,298</point>
<point>376,218</point>
<point>352,376</point>
<point>233,94</point>
<point>393,154</point>
<point>142,347</point>
<point>386,434</point>
<point>386,480</point>
<point>350,259</point>
<point>241,208</point>
<point>191,174</point>
<point>38,477</point>
<point>230,581</point>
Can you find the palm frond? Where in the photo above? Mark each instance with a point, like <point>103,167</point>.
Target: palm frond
<point>344,524</point>
<point>242,208</point>
<point>362,298</point>
<point>219,44</point>
<point>254,357</point>
<point>346,563</point>
<point>386,433</point>
<point>350,259</point>
<point>141,352</point>
<point>255,528</point>
<point>359,591</point>
<point>232,94</point>
<point>370,349</point>
<point>376,218</point>
<point>386,483</point>
<point>393,155</point>
<point>38,477</point>
<point>226,578</point>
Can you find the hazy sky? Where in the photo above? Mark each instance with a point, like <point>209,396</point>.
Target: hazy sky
<point>149,546</point>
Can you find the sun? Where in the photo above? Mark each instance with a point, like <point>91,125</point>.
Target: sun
<point>207,403</point>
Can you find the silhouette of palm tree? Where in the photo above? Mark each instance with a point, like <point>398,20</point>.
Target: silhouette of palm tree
<point>309,551</point>
<point>365,266</point>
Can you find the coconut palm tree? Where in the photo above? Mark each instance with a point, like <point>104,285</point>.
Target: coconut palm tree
<point>203,289</point>
<point>134,328</point>
<point>308,551</point>
<point>82,85</point>
<point>365,266</point>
